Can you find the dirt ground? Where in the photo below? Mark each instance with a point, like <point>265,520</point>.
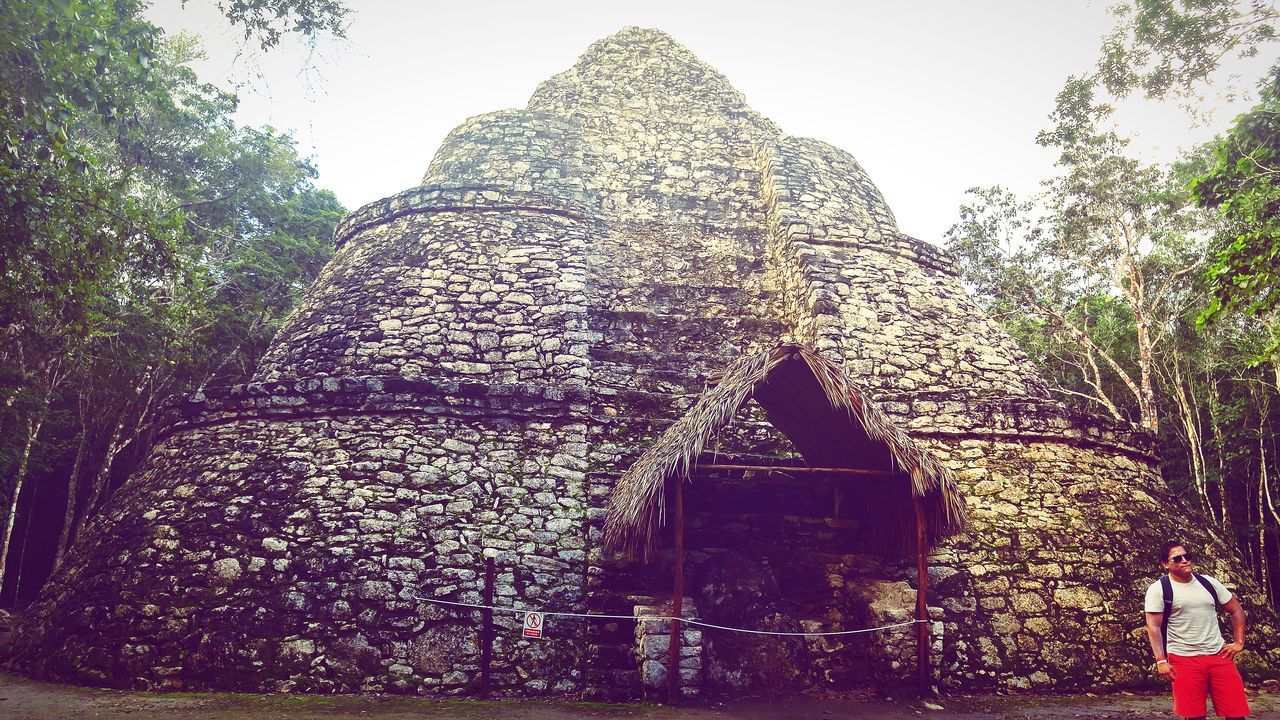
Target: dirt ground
<point>22,699</point>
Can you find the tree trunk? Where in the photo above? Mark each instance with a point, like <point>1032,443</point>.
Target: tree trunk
<point>1262,532</point>
<point>20,561</point>
<point>69,510</point>
<point>101,479</point>
<point>33,432</point>
<point>1218,443</point>
<point>1134,288</point>
<point>1275,519</point>
<point>118,441</point>
<point>1191,433</point>
<point>1264,500</point>
<point>1150,417</point>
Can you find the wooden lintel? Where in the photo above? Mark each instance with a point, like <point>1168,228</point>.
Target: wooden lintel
<point>770,481</point>
<point>788,470</point>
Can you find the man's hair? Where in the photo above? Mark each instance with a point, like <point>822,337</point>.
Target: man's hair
<point>1165,548</point>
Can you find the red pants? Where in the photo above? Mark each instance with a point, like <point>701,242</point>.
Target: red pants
<point>1213,675</point>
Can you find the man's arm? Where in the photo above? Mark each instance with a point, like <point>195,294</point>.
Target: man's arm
<point>1232,649</point>
<point>1154,621</point>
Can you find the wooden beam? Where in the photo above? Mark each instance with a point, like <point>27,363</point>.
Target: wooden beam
<point>787,470</point>
<point>677,598</point>
<point>811,484</point>
<point>922,608</point>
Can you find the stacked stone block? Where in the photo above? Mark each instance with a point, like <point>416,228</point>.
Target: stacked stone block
<point>653,648</point>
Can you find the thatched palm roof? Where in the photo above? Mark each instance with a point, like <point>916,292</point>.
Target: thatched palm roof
<point>832,423</point>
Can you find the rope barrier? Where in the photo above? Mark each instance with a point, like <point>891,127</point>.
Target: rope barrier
<point>689,621</point>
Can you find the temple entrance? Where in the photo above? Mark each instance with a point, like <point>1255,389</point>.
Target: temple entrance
<point>770,551</point>
<point>788,548</point>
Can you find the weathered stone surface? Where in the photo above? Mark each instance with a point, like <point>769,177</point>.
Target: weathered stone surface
<point>487,352</point>
<point>438,649</point>
<point>734,588</point>
<point>773,664</point>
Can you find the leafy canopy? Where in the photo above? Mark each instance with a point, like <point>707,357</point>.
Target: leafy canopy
<point>1244,185</point>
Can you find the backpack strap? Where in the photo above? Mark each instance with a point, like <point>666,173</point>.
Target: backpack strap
<point>1207,586</point>
<point>1166,589</point>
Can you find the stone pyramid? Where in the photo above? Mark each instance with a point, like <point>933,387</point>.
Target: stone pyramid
<point>487,352</point>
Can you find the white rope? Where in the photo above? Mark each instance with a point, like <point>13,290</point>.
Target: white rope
<point>804,634</point>
<point>665,617</point>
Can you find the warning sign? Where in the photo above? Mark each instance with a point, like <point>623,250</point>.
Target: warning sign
<point>533,624</point>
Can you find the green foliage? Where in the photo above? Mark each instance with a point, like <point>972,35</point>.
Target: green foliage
<point>268,20</point>
<point>1175,48</point>
<point>1011,255</point>
<point>62,59</point>
<point>1167,48</point>
<point>1244,185</point>
<point>148,245</point>
<point>1093,258</point>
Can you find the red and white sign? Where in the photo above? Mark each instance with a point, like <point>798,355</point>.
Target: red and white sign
<point>533,624</point>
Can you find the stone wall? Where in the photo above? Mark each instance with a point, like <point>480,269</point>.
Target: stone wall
<point>653,648</point>
<point>515,150</point>
<point>459,291</point>
<point>290,553</point>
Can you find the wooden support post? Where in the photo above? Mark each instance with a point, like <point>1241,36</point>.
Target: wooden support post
<point>486,627</point>
<point>922,608</point>
<point>677,598</point>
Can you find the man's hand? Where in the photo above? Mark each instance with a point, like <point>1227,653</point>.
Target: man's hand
<point>1230,650</point>
<point>1166,671</point>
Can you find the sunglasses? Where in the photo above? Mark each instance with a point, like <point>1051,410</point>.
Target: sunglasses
<point>1179,558</point>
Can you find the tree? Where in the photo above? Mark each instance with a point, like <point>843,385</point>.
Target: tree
<point>1175,49</point>
<point>1170,48</point>
<point>1104,288</point>
<point>268,20</point>
<point>1096,268</point>
<point>1244,186</point>
<point>146,242</point>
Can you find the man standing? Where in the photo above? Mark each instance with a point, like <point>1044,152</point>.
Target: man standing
<point>1197,659</point>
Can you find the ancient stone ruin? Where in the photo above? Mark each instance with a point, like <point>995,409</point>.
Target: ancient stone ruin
<point>485,356</point>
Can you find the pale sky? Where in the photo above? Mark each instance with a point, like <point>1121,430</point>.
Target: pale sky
<point>931,96</point>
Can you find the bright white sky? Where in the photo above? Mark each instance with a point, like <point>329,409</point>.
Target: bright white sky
<point>931,96</point>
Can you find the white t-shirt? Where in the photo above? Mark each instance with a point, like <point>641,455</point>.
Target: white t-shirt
<point>1193,622</point>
